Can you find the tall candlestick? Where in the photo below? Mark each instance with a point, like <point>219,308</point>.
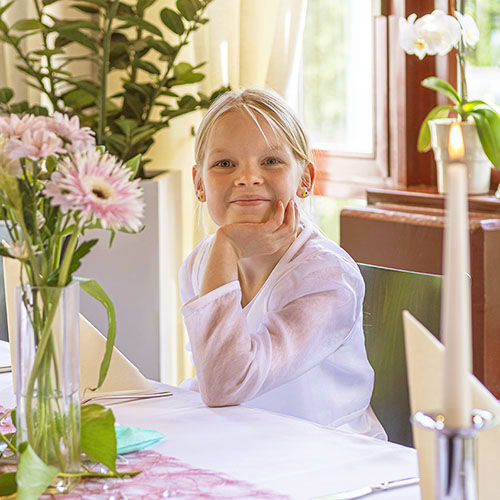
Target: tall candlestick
<point>456,319</point>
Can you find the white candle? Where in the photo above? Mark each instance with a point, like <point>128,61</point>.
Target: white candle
<point>456,316</point>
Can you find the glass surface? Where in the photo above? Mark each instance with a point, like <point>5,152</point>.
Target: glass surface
<point>483,61</point>
<point>338,75</point>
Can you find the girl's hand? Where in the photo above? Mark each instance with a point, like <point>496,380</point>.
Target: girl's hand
<point>266,238</point>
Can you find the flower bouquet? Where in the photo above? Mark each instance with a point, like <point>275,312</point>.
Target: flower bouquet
<point>54,185</point>
<point>438,33</point>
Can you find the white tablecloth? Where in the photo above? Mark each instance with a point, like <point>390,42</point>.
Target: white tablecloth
<point>288,455</point>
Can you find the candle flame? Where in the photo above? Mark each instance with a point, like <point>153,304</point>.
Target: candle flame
<point>455,142</point>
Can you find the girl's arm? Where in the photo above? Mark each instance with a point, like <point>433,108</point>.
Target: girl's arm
<point>236,241</point>
<point>312,312</point>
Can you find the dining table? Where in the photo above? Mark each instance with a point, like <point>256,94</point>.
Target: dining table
<point>238,452</point>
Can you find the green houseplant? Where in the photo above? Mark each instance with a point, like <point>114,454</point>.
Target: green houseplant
<point>116,37</point>
<point>438,34</point>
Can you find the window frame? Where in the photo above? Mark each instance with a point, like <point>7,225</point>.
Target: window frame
<point>401,106</point>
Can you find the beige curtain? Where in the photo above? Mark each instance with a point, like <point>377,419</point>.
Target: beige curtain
<point>246,42</point>
<point>9,75</point>
<point>253,42</point>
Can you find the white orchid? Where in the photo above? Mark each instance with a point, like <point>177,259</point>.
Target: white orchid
<point>432,34</point>
<point>470,31</point>
<point>437,34</point>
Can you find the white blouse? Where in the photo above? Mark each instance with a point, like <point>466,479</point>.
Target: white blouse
<point>297,348</point>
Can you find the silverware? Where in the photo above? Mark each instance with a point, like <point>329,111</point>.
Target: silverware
<point>122,398</point>
<point>368,490</point>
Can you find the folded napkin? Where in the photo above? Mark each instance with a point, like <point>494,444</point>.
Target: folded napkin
<point>129,439</point>
<point>123,377</point>
<point>425,366</point>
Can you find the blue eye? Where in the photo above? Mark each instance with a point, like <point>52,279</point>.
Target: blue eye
<point>273,161</point>
<point>224,163</point>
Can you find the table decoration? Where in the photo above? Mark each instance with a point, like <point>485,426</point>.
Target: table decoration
<point>55,185</point>
<point>455,426</point>
<point>425,365</point>
<point>438,34</point>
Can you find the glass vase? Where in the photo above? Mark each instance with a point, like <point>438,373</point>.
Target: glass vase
<point>48,377</point>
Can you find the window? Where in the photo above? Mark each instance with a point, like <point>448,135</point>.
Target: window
<point>344,94</point>
<point>483,69</point>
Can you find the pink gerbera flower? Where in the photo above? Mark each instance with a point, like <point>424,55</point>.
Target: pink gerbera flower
<point>15,126</point>
<point>79,138</point>
<point>35,145</point>
<point>98,186</point>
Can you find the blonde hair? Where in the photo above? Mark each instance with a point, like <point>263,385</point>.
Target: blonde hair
<point>257,102</point>
<point>268,105</point>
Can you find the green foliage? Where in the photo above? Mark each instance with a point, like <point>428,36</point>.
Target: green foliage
<point>486,118</point>
<point>33,475</point>
<point>118,38</point>
<point>97,435</point>
<point>96,291</point>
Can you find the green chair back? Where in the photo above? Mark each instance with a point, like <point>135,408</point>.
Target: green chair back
<point>388,293</point>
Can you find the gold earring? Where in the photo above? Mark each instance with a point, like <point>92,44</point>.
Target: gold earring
<point>200,197</point>
<point>305,194</point>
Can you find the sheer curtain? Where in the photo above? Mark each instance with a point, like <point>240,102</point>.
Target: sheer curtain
<point>9,75</point>
<point>246,43</point>
<point>253,42</point>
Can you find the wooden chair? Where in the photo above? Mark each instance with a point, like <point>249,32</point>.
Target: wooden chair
<point>388,293</point>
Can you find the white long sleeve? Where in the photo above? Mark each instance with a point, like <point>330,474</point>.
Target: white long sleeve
<point>296,348</point>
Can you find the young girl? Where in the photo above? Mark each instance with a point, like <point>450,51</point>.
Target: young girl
<point>273,309</point>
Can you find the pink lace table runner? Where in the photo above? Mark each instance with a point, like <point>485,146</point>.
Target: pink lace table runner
<point>161,477</point>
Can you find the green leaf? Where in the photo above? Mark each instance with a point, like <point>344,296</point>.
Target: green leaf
<point>127,126</point>
<point>488,129</point>
<point>78,37</point>
<point>181,69</point>
<point>445,88</point>
<point>162,47</point>
<point>5,7</point>
<point>48,52</point>
<point>470,105</point>
<point>86,8</point>
<point>6,95</point>
<point>99,3</point>
<point>187,8</point>
<point>96,291</point>
<point>147,66</point>
<point>33,475</point>
<point>142,5</point>
<point>188,78</point>
<point>424,135</point>
<point>27,25</point>
<point>78,99</point>
<point>134,164</point>
<point>8,184</point>
<point>98,436</point>
<point>172,20</point>
<point>29,206</point>
<point>79,254</point>
<point>141,23</point>
<point>8,484</point>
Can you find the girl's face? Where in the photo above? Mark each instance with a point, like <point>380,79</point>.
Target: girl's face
<point>243,173</point>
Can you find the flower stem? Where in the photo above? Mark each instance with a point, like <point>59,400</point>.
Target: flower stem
<point>104,72</point>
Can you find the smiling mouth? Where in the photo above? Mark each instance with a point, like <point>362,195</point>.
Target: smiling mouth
<point>249,202</point>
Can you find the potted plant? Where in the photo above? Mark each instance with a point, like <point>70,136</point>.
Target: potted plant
<point>438,33</point>
<point>119,38</point>
<point>55,185</point>
<point>116,38</point>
